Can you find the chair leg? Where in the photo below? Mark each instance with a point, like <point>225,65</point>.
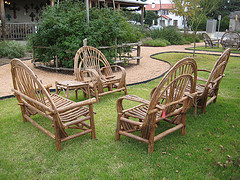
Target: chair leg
<point>150,147</point>
<point>92,122</point>
<point>151,139</point>
<point>23,110</point>
<point>125,90</point>
<point>183,129</point>
<point>76,93</point>
<point>118,128</point>
<point>58,143</point>
<point>195,106</point>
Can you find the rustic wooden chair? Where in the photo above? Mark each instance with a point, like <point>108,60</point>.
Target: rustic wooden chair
<point>231,40</point>
<point>164,104</point>
<point>89,59</point>
<point>207,89</point>
<point>210,42</point>
<point>34,98</point>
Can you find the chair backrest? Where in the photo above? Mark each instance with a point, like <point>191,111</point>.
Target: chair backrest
<point>26,82</point>
<point>218,69</point>
<point>171,89</point>
<point>230,36</point>
<point>88,57</point>
<point>207,39</point>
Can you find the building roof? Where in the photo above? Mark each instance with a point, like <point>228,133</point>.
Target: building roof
<point>149,7</point>
<point>166,17</point>
<point>127,2</point>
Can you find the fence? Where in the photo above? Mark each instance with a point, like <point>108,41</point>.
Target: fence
<point>119,58</point>
<point>18,31</point>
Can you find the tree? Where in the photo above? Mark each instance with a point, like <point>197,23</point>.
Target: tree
<point>194,11</point>
<point>150,16</point>
<point>63,29</point>
<point>225,7</point>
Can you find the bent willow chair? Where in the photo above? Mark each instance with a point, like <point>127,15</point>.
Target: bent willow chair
<point>230,39</point>
<point>164,104</point>
<point>88,60</point>
<point>210,42</point>
<point>34,98</point>
<point>207,89</point>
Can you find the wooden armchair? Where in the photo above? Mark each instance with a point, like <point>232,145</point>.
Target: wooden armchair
<point>210,42</point>
<point>231,40</point>
<point>163,105</point>
<point>207,89</point>
<point>89,59</point>
<point>33,98</point>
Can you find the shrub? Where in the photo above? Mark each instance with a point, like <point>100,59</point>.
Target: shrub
<point>190,37</point>
<point>11,49</point>
<point>156,43</point>
<point>169,33</point>
<point>63,30</point>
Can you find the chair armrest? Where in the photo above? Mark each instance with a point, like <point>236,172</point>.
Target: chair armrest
<point>78,104</point>
<point>123,72</point>
<point>32,100</point>
<point>204,70</point>
<point>47,87</point>
<point>201,79</point>
<point>94,75</point>
<point>135,99</point>
<point>120,108</point>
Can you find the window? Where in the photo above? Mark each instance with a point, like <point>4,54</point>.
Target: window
<point>162,23</point>
<point>175,23</point>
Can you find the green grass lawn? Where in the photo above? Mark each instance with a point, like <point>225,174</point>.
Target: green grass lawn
<point>209,150</point>
<point>220,49</point>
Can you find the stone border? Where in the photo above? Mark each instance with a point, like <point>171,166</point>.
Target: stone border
<point>189,49</point>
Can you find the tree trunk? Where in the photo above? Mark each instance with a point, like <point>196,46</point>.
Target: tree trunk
<point>194,47</point>
<point>3,23</point>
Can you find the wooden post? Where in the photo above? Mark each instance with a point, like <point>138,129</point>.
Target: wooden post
<point>85,42</point>
<point>90,3</point>
<point>87,9</point>
<point>138,51</point>
<point>142,14</point>
<point>119,6</point>
<point>113,4</point>
<point>3,23</point>
<point>52,3</point>
<point>56,61</point>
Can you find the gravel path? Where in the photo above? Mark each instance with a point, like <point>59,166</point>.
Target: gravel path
<point>147,69</point>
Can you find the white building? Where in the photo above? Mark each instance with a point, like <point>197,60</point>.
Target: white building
<point>165,17</point>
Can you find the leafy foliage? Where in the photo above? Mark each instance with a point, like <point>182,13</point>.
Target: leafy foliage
<point>11,49</point>
<point>196,11</point>
<point>170,34</point>
<point>156,43</point>
<point>63,29</point>
<point>150,16</point>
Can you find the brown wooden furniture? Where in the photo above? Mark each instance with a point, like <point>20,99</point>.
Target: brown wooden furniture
<point>231,40</point>
<point>163,105</point>
<point>66,86</point>
<point>210,42</point>
<point>33,98</point>
<point>207,89</point>
<point>89,60</point>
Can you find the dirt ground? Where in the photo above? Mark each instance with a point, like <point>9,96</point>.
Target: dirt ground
<point>147,69</point>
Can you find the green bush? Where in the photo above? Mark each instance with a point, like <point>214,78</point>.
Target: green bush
<point>156,43</point>
<point>190,37</point>
<point>169,33</point>
<point>63,29</point>
<point>11,49</point>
